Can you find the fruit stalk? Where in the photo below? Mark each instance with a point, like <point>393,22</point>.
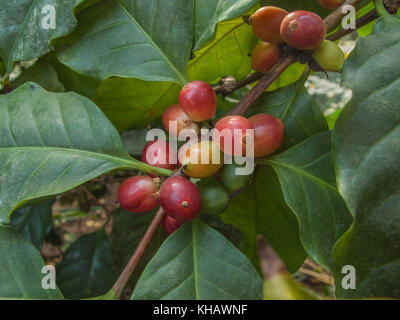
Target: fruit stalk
<point>140,249</point>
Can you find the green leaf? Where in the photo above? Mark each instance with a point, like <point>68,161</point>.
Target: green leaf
<point>282,286</point>
<point>242,214</point>
<point>275,221</point>
<point>226,55</point>
<point>43,74</point>
<point>197,262</point>
<point>86,268</point>
<point>144,39</point>
<point>53,142</point>
<point>21,268</point>
<point>367,156</point>
<point>34,221</point>
<point>307,177</point>
<point>209,13</point>
<point>296,108</point>
<point>23,36</point>
<point>130,102</point>
<point>128,229</point>
<point>261,209</point>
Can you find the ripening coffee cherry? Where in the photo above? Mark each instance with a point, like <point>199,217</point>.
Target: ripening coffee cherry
<point>201,159</point>
<point>268,134</point>
<point>180,198</point>
<point>330,4</point>
<point>215,199</point>
<point>264,56</point>
<point>266,23</point>
<point>138,194</point>
<point>170,225</point>
<point>303,30</point>
<point>234,129</point>
<point>175,120</point>
<point>159,154</point>
<point>231,180</point>
<point>329,56</point>
<point>198,101</point>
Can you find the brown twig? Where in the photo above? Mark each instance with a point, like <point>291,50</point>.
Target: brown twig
<point>227,87</point>
<point>140,249</point>
<point>364,20</point>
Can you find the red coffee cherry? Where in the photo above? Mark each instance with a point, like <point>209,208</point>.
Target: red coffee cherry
<point>180,198</point>
<point>266,23</point>
<point>176,113</point>
<point>159,154</point>
<point>170,224</point>
<point>138,194</point>
<point>303,30</point>
<point>330,4</point>
<point>268,134</point>
<point>198,101</point>
<point>236,126</point>
<point>264,56</point>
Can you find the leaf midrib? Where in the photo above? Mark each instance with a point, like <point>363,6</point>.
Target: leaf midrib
<point>297,170</point>
<point>180,76</point>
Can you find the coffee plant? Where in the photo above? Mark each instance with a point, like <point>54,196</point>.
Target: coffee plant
<point>182,130</point>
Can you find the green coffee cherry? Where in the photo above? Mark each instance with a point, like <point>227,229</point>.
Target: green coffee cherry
<point>214,199</point>
<point>329,56</point>
<point>231,181</point>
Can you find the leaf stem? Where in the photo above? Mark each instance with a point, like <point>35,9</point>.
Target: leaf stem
<point>140,249</point>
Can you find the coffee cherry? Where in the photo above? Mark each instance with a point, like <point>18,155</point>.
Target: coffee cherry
<point>176,113</point>
<point>215,199</point>
<point>198,160</point>
<point>264,56</point>
<point>198,101</point>
<point>329,56</point>
<point>303,30</point>
<point>180,198</point>
<point>138,194</point>
<point>268,134</point>
<point>231,180</point>
<point>159,154</point>
<point>330,4</point>
<point>170,224</point>
<point>235,127</point>
<point>266,23</point>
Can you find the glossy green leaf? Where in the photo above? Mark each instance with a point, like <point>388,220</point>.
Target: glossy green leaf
<point>23,36</point>
<point>367,156</point>
<point>21,268</point>
<point>296,108</point>
<point>197,262</point>
<point>86,268</point>
<point>43,74</point>
<point>64,141</point>
<point>131,102</point>
<point>128,229</point>
<point>242,214</point>
<point>209,13</point>
<point>307,177</point>
<point>226,55</point>
<point>276,221</point>
<point>144,39</point>
<point>34,221</point>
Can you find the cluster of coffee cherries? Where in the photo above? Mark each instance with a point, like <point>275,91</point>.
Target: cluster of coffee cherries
<point>303,30</point>
<point>180,197</point>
